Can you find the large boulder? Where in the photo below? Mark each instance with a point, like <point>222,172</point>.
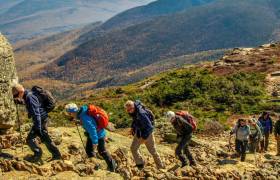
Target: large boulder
<point>7,77</point>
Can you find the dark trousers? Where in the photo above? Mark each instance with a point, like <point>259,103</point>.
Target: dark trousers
<point>101,150</point>
<point>254,144</point>
<point>182,151</point>
<point>265,142</point>
<point>45,138</point>
<point>241,147</point>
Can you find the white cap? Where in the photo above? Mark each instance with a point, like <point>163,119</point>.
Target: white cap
<point>71,108</point>
<point>170,115</point>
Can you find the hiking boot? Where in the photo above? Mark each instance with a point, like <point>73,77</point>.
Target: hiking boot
<point>140,166</point>
<point>236,155</point>
<point>242,158</point>
<point>54,158</point>
<point>113,166</point>
<point>34,159</point>
<point>184,164</point>
<point>192,163</point>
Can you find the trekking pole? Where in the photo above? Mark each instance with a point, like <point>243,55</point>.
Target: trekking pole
<point>19,126</point>
<point>81,139</point>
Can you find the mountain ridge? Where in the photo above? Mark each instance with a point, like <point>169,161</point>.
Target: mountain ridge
<point>49,17</point>
<point>216,25</point>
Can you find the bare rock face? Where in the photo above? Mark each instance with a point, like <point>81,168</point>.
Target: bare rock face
<point>7,77</point>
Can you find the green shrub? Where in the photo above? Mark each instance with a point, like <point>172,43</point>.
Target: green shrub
<point>204,94</point>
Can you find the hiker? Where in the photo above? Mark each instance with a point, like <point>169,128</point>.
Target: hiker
<point>142,129</point>
<point>96,135</point>
<point>184,133</point>
<point>242,132</point>
<point>255,136</point>
<point>277,136</point>
<point>38,109</point>
<point>267,128</point>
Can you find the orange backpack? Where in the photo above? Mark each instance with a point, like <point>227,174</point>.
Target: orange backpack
<point>101,117</point>
<point>189,118</point>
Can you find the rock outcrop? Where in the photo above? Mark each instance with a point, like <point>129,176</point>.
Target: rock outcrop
<point>7,77</point>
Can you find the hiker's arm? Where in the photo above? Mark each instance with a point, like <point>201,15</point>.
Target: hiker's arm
<point>249,131</point>
<point>34,109</point>
<point>132,130</point>
<point>91,129</point>
<point>271,126</point>
<point>259,132</point>
<point>233,130</point>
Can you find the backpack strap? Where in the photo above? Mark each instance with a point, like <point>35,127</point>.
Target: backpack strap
<point>183,120</point>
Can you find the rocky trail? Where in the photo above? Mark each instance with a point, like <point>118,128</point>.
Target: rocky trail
<point>211,153</point>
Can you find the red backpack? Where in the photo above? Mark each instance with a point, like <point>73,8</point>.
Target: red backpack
<point>101,117</point>
<point>189,118</point>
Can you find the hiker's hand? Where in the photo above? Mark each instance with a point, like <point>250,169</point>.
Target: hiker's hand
<point>94,154</point>
<point>18,101</point>
<point>106,140</point>
<point>77,122</point>
<point>94,147</point>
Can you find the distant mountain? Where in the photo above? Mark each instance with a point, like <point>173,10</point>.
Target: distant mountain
<point>216,25</point>
<point>140,14</point>
<point>21,19</point>
<point>32,55</point>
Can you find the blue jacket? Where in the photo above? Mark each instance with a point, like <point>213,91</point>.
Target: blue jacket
<point>266,124</point>
<point>90,125</point>
<point>35,110</point>
<point>141,124</point>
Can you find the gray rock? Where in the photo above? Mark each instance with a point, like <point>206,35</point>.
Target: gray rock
<point>56,136</point>
<point>7,77</point>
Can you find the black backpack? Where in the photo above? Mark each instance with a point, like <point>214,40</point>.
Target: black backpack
<point>151,116</point>
<point>149,112</point>
<point>45,97</point>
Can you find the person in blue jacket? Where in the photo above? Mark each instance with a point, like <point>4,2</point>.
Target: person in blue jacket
<point>39,115</point>
<point>267,127</point>
<point>142,129</point>
<point>96,139</point>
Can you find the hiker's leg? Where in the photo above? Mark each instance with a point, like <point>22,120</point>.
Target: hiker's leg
<point>252,145</point>
<point>32,143</point>
<point>105,154</point>
<point>243,150</point>
<point>257,146</point>
<point>181,146</point>
<point>135,151</point>
<point>238,147</point>
<point>189,155</point>
<point>151,146</point>
<point>187,151</point>
<point>266,143</point>
<point>89,147</point>
<point>48,142</point>
<point>262,144</point>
